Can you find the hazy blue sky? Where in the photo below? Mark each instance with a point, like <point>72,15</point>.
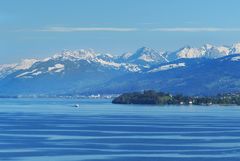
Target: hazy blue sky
<point>40,28</point>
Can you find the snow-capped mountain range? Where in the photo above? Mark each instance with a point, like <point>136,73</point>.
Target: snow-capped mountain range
<point>83,70</point>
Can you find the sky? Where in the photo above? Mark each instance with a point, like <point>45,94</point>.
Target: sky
<point>41,28</point>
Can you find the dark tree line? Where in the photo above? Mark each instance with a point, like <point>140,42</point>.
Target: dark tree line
<point>153,97</point>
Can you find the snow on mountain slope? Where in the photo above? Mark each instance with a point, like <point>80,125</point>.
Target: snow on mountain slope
<point>216,52</point>
<point>7,69</point>
<point>141,60</point>
<point>106,60</point>
<point>235,49</point>
<point>73,55</point>
<point>207,51</point>
<point>67,60</point>
<point>237,58</point>
<point>26,74</point>
<point>25,64</point>
<point>185,52</point>
<point>125,56</point>
<point>144,56</point>
<point>188,52</point>
<point>167,67</point>
<point>85,70</point>
<point>56,68</point>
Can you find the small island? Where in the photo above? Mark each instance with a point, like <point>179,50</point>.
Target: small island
<point>161,98</point>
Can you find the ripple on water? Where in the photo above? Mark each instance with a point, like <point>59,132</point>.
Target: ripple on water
<point>35,130</point>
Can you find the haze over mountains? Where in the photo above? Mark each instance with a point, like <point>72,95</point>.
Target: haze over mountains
<point>207,70</point>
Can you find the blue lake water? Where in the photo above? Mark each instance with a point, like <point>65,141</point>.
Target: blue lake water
<point>53,130</point>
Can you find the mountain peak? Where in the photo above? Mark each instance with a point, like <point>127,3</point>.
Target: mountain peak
<point>25,64</point>
<point>235,49</point>
<point>146,54</point>
<point>74,55</point>
<point>144,49</point>
<point>208,46</point>
<point>189,52</point>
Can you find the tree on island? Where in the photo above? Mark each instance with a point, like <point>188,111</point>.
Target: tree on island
<point>161,98</point>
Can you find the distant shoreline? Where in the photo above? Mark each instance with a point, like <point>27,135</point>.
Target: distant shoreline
<point>159,98</point>
<point>63,97</point>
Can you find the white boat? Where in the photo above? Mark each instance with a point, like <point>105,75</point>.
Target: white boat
<point>76,105</point>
